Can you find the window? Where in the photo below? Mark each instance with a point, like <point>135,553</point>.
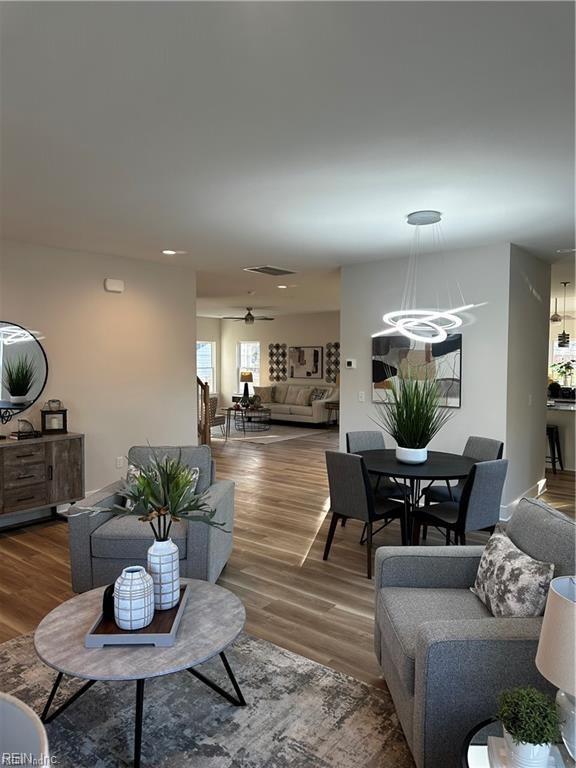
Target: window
<point>248,359</point>
<point>205,358</point>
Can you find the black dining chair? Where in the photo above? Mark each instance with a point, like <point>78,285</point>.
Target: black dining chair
<point>352,497</point>
<point>373,440</point>
<point>477,510</point>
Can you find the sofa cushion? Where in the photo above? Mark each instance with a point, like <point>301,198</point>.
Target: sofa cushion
<point>193,456</point>
<point>301,410</point>
<point>264,393</point>
<point>304,396</point>
<point>124,536</point>
<point>292,394</point>
<point>279,394</point>
<point>278,408</point>
<point>401,610</point>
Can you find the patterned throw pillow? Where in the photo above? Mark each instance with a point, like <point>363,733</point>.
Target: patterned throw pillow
<point>318,394</point>
<point>509,582</point>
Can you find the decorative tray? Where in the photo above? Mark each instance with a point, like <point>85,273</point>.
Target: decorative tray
<point>161,631</point>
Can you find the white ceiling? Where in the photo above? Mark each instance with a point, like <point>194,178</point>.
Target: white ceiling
<point>285,133</point>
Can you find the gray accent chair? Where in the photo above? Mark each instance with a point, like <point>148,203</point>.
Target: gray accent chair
<point>351,496</point>
<point>477,448</point>
<point>373,440</point>
<point>477,510</point>
<point>444,656</point>
<point>102,543</point>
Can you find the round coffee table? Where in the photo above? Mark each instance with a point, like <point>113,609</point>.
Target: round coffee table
<point>212,620</point>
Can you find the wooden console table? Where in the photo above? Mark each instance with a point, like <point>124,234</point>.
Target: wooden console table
<point>41,472</point>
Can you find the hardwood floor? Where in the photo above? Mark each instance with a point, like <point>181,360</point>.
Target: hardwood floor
<point>322,610</point>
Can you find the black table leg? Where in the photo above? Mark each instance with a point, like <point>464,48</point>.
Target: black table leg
<point>240,701</point>
<point>45,717</point>
<point>138,722</point>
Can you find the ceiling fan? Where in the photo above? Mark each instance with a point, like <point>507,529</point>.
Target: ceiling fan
<point>248,318</point>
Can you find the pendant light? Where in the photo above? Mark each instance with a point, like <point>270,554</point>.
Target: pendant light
<point>564,338</point>
<point>429,326</point>
<point>555,317</point>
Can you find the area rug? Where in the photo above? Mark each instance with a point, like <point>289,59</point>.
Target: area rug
<point>299,714</point>
<point>278,433</point>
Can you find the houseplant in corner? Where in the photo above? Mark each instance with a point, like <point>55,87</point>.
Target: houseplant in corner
<point>412,416</point>
<point>19,377</point>
<point>531,725</point>
<point>163,492</point>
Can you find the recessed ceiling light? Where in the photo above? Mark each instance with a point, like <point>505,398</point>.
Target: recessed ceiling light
<point>566,250</point>
<point>169,252</point>
<point>282,286</point>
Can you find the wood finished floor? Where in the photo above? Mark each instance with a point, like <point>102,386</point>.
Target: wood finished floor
<point>321,610</point>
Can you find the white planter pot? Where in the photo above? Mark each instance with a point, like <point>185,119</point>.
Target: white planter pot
<point>164,567</point>
<point>412,455</point>
<point>18,399</point>
<point>133,598</point>
<point>525,755</point>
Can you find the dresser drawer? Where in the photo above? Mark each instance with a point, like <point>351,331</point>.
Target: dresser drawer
<point>23,454</point>
<point>27,497</point>
<point>23,475</point>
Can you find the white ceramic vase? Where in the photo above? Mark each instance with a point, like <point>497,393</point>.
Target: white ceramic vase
<point>164,567</point>
<point>412,455</point>
<point>524,755</point>
<point>18,399</point>
<point>133,598</point>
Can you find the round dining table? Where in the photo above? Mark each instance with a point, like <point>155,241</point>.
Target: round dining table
<point>438,466</point>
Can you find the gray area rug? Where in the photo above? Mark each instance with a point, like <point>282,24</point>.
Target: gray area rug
<point>299,714</point>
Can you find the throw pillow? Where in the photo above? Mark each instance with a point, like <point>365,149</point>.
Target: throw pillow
<point>510,582</point>
<point>318,394</point>
<point>264,393</point>
<point>303,396</point>
<point>279,395</point>
<point>292,395</point>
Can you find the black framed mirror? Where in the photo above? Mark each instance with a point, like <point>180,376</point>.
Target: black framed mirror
<point>23,368</point>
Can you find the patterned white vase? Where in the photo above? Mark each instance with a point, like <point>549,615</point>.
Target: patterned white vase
<point>133,598</point>
<point>164,567</point>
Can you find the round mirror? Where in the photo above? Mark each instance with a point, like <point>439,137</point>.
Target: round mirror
<point>24,369</point>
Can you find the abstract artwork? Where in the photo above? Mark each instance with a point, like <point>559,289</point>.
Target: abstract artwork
<point>332,362</point>
<point>305,362</point>
<point>277,362</point>
<point>442,361</point>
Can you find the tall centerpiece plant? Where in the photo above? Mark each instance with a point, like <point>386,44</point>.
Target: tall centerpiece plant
<point>531,725</point>
<point>19,378</point>
<point>163,492</point>
<point>412,415</point>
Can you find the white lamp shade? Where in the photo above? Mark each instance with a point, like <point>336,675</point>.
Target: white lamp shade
<point>557,644</point>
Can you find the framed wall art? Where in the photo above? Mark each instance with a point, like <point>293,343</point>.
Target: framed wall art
<point>305,362</point>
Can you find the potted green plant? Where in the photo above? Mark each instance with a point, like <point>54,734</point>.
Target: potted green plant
<point>564,370</point>
<point>531,725</point>
<point>162,492</point>
<point>412,416</point>
<point>19,378</point>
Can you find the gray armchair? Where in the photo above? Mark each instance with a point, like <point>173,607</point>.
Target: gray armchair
<point>102,544</point>
<point>444,656</point>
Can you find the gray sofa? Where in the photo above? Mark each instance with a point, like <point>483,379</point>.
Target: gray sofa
<point>102,544</point>
<point>444,657</point>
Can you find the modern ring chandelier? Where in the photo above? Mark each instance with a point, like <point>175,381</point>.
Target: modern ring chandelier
<point>427,325</point>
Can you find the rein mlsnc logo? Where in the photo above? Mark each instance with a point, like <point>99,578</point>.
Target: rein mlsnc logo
<point>26,759</point>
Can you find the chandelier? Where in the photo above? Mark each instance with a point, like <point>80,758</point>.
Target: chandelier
<point>564,338</point>
<point>430,326</point>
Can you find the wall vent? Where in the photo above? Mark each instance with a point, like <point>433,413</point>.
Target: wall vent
<point>268,270</point>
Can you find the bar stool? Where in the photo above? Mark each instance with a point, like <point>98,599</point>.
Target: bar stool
<point>553,435</point>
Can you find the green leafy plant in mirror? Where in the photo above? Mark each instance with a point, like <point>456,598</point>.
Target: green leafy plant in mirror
<point>529,716</point>
<point>19,375</point>
<point>563,369</point>
<point>164,492</point>
<point>413,414</point>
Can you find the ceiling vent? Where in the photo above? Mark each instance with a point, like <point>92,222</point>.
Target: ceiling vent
<point>268,270</point>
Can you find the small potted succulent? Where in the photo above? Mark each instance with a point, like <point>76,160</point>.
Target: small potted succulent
<point>19,378</point>
<point>412,416</point>
<point>531,725</point>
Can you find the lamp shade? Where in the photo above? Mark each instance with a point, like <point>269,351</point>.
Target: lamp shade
<point>246,376</point>
<point>557,644</point>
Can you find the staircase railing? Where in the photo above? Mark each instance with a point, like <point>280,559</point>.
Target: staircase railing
<point>203,397</point>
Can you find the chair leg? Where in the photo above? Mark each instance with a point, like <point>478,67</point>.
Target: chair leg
<point>424,532</point>
<point>363,535</point>
<point>369,548</point>
<point>559,449</point>
<point>448,542</point>
<point>552,448</point>
<point>462,538</point>
<point>416,533</point>
<point>331,530</point>
<point>343,522</point>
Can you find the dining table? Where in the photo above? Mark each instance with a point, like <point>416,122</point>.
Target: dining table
<point>439,466</point>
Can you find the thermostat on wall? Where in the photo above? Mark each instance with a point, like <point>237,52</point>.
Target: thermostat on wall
<point>350,362</point>
<point>113,285</point>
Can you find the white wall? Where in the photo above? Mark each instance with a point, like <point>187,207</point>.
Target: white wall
<point>314,329</point>
<point>528,325</point>
<point>210,329</point>
<point>123,364</point>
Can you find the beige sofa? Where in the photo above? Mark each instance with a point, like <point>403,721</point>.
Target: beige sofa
<point>292,401</point>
